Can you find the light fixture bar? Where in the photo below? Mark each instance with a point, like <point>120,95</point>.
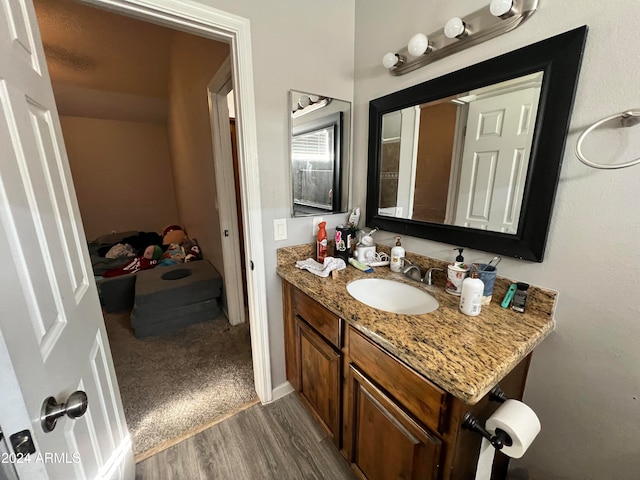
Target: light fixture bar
<point>480,26</point>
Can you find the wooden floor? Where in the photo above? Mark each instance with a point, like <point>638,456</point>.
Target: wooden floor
<point>276,441</point>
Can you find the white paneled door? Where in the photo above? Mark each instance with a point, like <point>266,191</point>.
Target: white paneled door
<point>52,336</point>
<point>497,147</point>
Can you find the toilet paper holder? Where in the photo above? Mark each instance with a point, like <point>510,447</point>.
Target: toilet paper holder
<point>470,422</point>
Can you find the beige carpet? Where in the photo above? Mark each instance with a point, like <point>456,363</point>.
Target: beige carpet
<point>174,384</point>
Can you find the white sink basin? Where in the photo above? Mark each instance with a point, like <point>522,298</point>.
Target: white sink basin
<point>392,296</point>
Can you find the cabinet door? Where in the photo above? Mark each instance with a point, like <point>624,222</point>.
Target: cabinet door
<point>319,378</point>
<point>386,442</point>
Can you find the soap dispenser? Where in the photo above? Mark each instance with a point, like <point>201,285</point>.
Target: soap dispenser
<point>456,273</point>
<point>397,257</point>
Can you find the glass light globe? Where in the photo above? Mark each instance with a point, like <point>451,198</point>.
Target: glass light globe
<point>304,101</point>
<point>389,60</point>
<point>500,7</point>
<point>418,44</point>
<point>454,27</point>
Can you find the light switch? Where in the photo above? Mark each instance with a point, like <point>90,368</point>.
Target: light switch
<point>280,229</point>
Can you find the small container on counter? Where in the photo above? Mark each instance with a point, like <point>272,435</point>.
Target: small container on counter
<point>321,242</point>
<point>397,256</point>
<point>456,273</point>
<point>342,248</point>
<point>520,297</point>
<point>471,296</point>
<point>487,273</point>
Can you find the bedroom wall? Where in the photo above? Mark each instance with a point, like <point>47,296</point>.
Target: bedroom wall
<point>122,174</point>
<point>194,61</point>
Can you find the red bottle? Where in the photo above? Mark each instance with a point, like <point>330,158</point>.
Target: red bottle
<point>321,243</point>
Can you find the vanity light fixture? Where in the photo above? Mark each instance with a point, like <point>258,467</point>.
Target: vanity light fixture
<point>391,59</point>
<point>418,45</point>
<point>501,8</point>
<point>309,103</point>
<point>455,28</point>
<point>501,16</point>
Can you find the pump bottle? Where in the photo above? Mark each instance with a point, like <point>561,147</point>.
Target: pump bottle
<point>397,256</point>
<point>471,295</point>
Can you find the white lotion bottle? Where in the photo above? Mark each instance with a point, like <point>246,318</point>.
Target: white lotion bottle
<point>397,257</point>
<point>471,295</point>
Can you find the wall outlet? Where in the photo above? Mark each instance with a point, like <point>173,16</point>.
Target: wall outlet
<point>280,229</point>
<point>316,221</point>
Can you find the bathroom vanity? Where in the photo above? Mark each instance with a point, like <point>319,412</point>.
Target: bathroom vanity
<point>391,390</point>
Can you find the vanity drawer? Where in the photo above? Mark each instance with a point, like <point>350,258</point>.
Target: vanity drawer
<point>426,401</point>
<point>322,320</point>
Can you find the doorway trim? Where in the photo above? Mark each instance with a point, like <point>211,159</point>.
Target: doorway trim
<point>217,89</point>
<point>206,21</point>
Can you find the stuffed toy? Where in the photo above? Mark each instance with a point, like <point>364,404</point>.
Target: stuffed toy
<point>173,255</point>
<point>153,252</point>
<point>192,251</point>
<point>173,234</point>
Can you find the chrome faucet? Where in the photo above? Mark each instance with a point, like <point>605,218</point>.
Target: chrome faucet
<point>428,278</point>
<point>412,271</point>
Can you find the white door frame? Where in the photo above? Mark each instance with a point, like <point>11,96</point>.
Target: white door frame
<point>217,89</point>
<point>206,21</point>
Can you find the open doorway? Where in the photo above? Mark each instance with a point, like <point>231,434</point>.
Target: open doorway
<point>89,127</point>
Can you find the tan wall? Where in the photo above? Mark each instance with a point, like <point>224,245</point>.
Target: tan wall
<point>194,62</point>
<point>122,174</point>
<point>435,149</point>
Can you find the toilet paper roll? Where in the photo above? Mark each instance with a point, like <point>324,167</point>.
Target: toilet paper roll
<point>519,421</point>
<point>522,425</point>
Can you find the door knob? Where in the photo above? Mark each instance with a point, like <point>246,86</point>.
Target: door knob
<point>74,407</point>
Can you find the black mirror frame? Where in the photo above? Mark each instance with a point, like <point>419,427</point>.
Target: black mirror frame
<point>559,57</point>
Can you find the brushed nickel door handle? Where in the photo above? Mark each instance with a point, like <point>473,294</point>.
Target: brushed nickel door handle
<point>74,407</point>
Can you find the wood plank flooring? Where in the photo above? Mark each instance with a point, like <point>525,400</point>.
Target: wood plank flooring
<point>276,441</point>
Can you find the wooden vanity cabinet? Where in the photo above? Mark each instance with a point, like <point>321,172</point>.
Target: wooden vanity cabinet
<point>387,420</point>
<point>385,442</point>
<point>314,359</point>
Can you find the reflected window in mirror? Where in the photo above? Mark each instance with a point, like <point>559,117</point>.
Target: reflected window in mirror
<point>315,163</point>
<point>320,154</point>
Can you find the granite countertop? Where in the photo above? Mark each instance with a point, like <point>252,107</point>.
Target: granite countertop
<point>466,356</point>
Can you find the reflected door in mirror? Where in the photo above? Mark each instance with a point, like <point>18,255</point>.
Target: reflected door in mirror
<point>461,160</point>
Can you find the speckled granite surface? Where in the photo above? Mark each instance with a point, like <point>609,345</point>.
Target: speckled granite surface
<point>466,356</point>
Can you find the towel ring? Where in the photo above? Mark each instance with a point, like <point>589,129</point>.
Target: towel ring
<point>627,118</point>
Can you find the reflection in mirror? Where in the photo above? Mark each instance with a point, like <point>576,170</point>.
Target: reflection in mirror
<point>461,160</point>
<point>473,158</point>
<point>320,150</point>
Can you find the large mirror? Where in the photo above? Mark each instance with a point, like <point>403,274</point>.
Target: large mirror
<point>473,158</point>
<point>320,152</point>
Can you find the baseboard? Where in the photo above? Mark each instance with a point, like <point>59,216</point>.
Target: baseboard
<point>280,391</point>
